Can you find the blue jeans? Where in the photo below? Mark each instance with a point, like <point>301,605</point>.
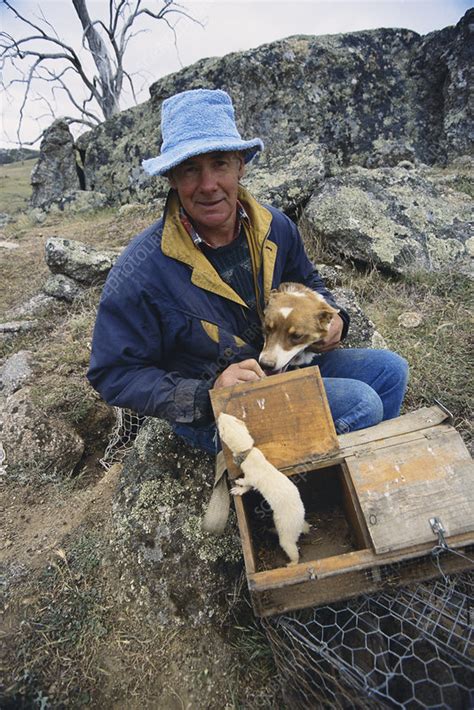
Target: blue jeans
<point>363,387</point>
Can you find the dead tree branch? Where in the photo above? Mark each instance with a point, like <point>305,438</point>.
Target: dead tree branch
<point>35,56</point>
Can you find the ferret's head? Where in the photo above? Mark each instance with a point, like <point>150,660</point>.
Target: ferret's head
<point>295,318</point>
<point>234,433</point>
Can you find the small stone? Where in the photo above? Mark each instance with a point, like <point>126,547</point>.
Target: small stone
<point>410,319</point>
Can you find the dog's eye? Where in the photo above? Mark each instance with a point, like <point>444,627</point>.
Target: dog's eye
<point>297,337</point>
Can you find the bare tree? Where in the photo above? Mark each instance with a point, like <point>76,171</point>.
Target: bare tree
<point>39,55</point>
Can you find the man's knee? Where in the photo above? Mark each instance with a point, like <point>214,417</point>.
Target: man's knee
<point>353,404</point>
<point>397,365</point>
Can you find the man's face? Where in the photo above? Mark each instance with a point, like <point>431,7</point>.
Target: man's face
<point>207,186</point>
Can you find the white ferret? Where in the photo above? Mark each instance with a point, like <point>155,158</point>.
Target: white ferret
<point>281,494</point>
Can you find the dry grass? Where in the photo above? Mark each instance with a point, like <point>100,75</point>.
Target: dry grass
<point>58,640</point>
<point>439,350</point>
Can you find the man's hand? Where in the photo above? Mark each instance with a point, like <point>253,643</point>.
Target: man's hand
<point>333,338</point>
<point>245,371</point>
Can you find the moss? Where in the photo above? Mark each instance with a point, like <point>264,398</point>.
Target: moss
<point>210,548</point>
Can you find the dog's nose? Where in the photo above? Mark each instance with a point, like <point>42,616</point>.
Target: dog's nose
<point>267,363</point>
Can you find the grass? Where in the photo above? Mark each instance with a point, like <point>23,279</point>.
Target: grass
<point>15,187</point>
<point>66,622</point>
<point>439,350</point>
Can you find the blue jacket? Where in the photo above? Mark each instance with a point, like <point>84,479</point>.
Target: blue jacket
<point>167,322</point>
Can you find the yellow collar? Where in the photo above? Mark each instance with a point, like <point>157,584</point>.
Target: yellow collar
<point>177,244</point>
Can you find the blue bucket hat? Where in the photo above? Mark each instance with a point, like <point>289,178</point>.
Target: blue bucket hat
<point>195,122</point>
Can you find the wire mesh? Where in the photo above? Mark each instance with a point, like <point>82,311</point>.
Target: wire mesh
<point>125,431</point>
<point>407,648</point>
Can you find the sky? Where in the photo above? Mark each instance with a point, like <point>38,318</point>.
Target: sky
<point>225,26</point>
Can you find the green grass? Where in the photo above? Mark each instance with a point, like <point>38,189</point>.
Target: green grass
<point>15,186</point>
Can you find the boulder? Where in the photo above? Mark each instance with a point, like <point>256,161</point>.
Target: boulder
<point>17,326</point>
<point>5,219</point>
<point>286,182</point>
<point>55,173</point>
<point>396,219</point>
<point>31,307</point>
<point>80,201</point>
<point>168,561</point>
<point>37,444</point>
<point>79,261</point>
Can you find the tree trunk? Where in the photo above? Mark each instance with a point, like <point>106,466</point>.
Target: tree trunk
<point>109,98</point>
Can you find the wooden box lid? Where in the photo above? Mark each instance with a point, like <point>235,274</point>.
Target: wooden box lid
<point>287,415</point>
<point>403,486</point>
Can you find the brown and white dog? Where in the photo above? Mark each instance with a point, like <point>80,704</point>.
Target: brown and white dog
<point>296,319</point>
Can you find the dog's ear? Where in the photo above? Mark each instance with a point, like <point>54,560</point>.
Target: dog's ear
<point>324,317</point>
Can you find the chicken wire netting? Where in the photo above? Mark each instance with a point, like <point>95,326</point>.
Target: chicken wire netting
<point>127,425</point>
<point>407,648</point>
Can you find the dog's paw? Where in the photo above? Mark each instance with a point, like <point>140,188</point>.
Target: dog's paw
<point>306,528</point>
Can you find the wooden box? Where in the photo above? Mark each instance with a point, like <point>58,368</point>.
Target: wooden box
<point>375,498</point>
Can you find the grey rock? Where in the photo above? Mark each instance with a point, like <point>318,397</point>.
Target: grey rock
<point>15,372</point>
<point>391,153</point>
<point>31,307</point>
<point>36,444</point>
<point>18,326</point>
<point>361,331</point>
<point>80,261</point>
<point>396,219</point>
<point>287,181</point>
<point>169,563</point>
<point>333,275</point>
<point>11,246</point>
<point>5,219</point>
<point>80,201</point>
<point>37,215</point>
<point>55,173</point>
<point>62,287</point>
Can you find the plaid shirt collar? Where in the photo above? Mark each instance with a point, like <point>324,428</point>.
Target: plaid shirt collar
<point>197,240</point>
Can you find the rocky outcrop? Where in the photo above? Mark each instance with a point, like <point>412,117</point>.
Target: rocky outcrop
<point>394,218</point>
<point>55,173</point>
<point>387,100</point>
<point>63,287</point>
<point>367,98</point>
<point>168,560</point>
<point>184,579</point>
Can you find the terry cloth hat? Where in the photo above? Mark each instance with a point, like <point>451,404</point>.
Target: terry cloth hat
<point>195,122</point>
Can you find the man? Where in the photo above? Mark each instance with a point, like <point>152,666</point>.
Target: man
<point>181,309</point>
